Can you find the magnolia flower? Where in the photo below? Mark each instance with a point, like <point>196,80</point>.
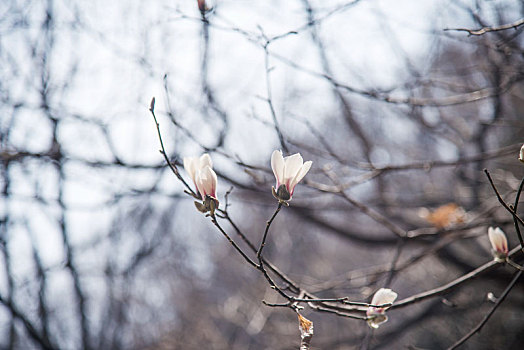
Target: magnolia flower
<point>521,157</point>
<point>205,180</point>
<point>377,315</point>
<point>288,173</point>
<point>194,164</point>
<point>499,243</point>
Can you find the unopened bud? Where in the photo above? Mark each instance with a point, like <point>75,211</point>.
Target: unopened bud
<point>499,243</point>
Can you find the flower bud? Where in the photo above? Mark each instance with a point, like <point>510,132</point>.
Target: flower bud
<point>499,243</point>
<point>377,315</point>
<point>193,165</point>
<point>205,179</point>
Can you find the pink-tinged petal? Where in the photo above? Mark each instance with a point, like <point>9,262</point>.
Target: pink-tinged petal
<point>300,175</point>
<point>207,182</point>
<point>277,164</point>
<point>205,160</point>
<point>200,184</point>
<point>213,192</point>
<point>292,165</point>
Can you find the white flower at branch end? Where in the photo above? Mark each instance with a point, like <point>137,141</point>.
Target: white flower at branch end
<point>377,315</point>
<point>521,156</point>
<point>288,173</point>
<point>499,243</point>
<point>205,180</point>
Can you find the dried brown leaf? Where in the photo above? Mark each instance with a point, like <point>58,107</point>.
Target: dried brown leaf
<point>446,215</point>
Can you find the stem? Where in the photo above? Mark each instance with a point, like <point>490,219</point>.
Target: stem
<point>244,255</point>
<point>486,318</point>
<point>512,212</point>
<point>163,152</point>
<point>263,243</point>
<point>451,285</point>
<point>515,265</point>
<point>517,228</point>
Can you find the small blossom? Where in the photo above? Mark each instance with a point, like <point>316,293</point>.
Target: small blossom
<point>377,315</point>
<point>200,169</point>
<point>194,164</point>
<point>499,243</point>
<point>288,173</point>
<point>521,156</point>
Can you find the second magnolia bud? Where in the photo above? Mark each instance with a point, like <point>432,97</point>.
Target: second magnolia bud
<point>499,243</point>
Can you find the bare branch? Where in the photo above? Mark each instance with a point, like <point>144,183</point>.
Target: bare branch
<point>515,25</point>
<point>488,315</point>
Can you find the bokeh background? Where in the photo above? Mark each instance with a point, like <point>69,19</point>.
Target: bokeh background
<point>100,248</point>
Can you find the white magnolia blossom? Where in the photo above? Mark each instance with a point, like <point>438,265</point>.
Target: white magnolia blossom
<point>499,243</point>
<point>195,164</point>
<point>206,181</point>
<point>377,314</point>
<point>521,156</point>
<point>288,173</point>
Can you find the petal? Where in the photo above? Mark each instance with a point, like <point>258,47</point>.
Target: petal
<point>277,164</point>
<point>498,239</point>
<point>189,166</point>
<point>493,237</point>
<point>204,160</point>
<point>213,192</point>
<point>292,166</point>
<point>301,173</point>
<point>384,296</point>
<point>207,182</point>
<point>200,184</point>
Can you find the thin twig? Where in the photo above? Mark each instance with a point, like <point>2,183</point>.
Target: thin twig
<point>486,318</point>
<point>451,285</point>
<point>261,261</point>
<point>344,300</point>
<point>367,210</point>
<point>515,25</point>
<point>515,206</point>
<point>31,330</point>
<point>511,211</point>
<point>292,284</point>
<point>269,98</point>
<point>230,240</point>
<point>263,243</point>
<point>514,264</point>
<point>163,151</point>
